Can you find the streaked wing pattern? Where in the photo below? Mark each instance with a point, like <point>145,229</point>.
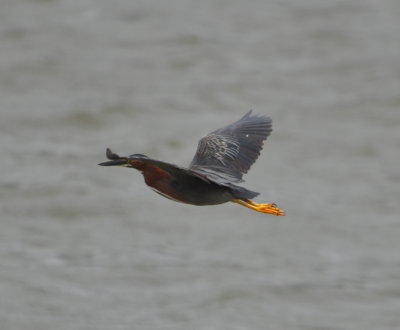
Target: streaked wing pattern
<point>230,151</point>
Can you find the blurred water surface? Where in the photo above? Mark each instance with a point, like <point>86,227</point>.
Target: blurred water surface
<point>85,247</point>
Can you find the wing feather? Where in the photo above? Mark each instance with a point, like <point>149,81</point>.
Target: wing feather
<point>229,152</point>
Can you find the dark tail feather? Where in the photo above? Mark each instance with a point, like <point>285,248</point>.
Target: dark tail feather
<point>242,193</point>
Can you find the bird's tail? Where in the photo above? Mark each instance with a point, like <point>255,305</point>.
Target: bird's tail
<point>242,193</point>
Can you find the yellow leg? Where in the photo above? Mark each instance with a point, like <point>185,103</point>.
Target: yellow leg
<point>265,208</point>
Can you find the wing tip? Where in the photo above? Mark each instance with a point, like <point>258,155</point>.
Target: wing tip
<point>250,115</point>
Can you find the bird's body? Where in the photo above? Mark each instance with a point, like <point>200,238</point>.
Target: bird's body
<point>222,158</point>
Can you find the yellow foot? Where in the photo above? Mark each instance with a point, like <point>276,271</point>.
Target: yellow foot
<point>264,208</point>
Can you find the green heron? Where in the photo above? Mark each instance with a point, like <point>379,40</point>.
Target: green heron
<point>221,159</point>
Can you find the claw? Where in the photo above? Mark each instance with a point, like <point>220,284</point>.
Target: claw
<point>264,208</point>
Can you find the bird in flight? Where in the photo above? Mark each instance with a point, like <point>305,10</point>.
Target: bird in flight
<point>221,159</point>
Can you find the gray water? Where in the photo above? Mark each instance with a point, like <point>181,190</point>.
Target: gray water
<point>88,247</point>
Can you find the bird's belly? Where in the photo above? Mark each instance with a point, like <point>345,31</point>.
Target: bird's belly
<point>167,196</point>
<point>188,189</point>
<point>203,193</point>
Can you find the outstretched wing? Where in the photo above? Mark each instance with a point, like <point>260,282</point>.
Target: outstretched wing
<point>229,152</point>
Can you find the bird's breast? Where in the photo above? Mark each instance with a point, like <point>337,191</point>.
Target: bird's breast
<point>161,182</point>
<point>155,176</point>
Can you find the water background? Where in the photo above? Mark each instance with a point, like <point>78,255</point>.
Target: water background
<point>88,247</point>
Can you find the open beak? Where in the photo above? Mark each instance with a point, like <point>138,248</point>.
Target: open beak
<point>114,159</point>
<point>119,162</point>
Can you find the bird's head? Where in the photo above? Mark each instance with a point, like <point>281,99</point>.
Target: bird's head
<point>132,161</point>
